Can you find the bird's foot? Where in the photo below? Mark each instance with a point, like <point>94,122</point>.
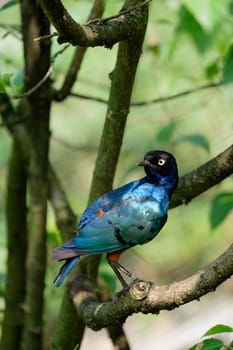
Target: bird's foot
<point>126,288</point>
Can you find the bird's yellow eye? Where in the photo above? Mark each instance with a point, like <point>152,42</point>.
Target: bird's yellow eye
<point>161,161</point>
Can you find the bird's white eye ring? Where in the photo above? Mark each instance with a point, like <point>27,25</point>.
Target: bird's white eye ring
<point>161,161</point>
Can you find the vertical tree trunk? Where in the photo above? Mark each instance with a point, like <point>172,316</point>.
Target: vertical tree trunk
<point>37,61</point>
<point>16,213</point>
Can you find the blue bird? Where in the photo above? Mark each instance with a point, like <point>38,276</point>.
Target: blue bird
<point>130,215</point>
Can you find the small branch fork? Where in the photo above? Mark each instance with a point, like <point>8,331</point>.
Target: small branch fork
<point>96,32</point>
<point>144,297</point>
<point>44,78</point>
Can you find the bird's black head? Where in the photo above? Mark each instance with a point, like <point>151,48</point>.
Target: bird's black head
<point>161,169</point>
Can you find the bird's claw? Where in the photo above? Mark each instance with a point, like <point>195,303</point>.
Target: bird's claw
<point>126,288</point>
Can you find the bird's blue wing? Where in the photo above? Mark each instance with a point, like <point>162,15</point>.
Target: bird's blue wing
<point>135,220</point>
<point>107,202</point>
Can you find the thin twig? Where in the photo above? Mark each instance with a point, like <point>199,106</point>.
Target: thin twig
<point>133,104</point>
<point>123,12</point>
<point>35,87</point>
<point>45,77</point>
<point>46,37</point>
<point>85,97</point>
<point>179,94</point>
<point>156,100</point>
<point>14,30</point>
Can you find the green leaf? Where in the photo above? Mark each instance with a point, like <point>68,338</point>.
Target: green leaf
<point>212,70</point>
<point>8,3</point>
<point>189,24</point>
<point>221,207</point>
<point>208,344</point>
<point>196,139</point>
<point>53,237</point>
<point>166,133</point>
<point>206,13</point>
<point>228,67</point>
<point>77,347</point>
<point>5,81</point>
<point>218,328</point>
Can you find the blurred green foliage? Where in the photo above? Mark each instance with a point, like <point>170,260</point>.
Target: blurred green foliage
<point>188,44</point>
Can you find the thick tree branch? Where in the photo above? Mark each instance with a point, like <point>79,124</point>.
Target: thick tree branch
<point>147,298</point>
<point>103,33</point>
<point>201,179</point>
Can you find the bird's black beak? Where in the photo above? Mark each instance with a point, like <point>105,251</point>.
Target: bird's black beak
<point>144,163</point>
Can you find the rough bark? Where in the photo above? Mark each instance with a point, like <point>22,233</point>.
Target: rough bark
<point>37,61</point>
<point>104,32</point>
<point>204,177</point>
<point>143,297</point>
<point>16,214</point>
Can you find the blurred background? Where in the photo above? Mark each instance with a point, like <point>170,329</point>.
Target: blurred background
<point>187,45</point>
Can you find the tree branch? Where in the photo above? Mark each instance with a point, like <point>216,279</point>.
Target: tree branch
<point>179,94</point>
<point>36,86</point>
<point>103,33</point>
<point>201,179</point>
<point>142,296</point>
<point>46,76</point>
<point>154,100</point>
<point>147,298</point>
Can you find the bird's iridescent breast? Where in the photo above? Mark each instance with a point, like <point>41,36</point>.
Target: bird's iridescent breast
<point>142,215</point>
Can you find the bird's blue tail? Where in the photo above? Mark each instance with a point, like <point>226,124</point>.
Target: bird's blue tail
<point>70,254</point>
<point>65,270</point>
